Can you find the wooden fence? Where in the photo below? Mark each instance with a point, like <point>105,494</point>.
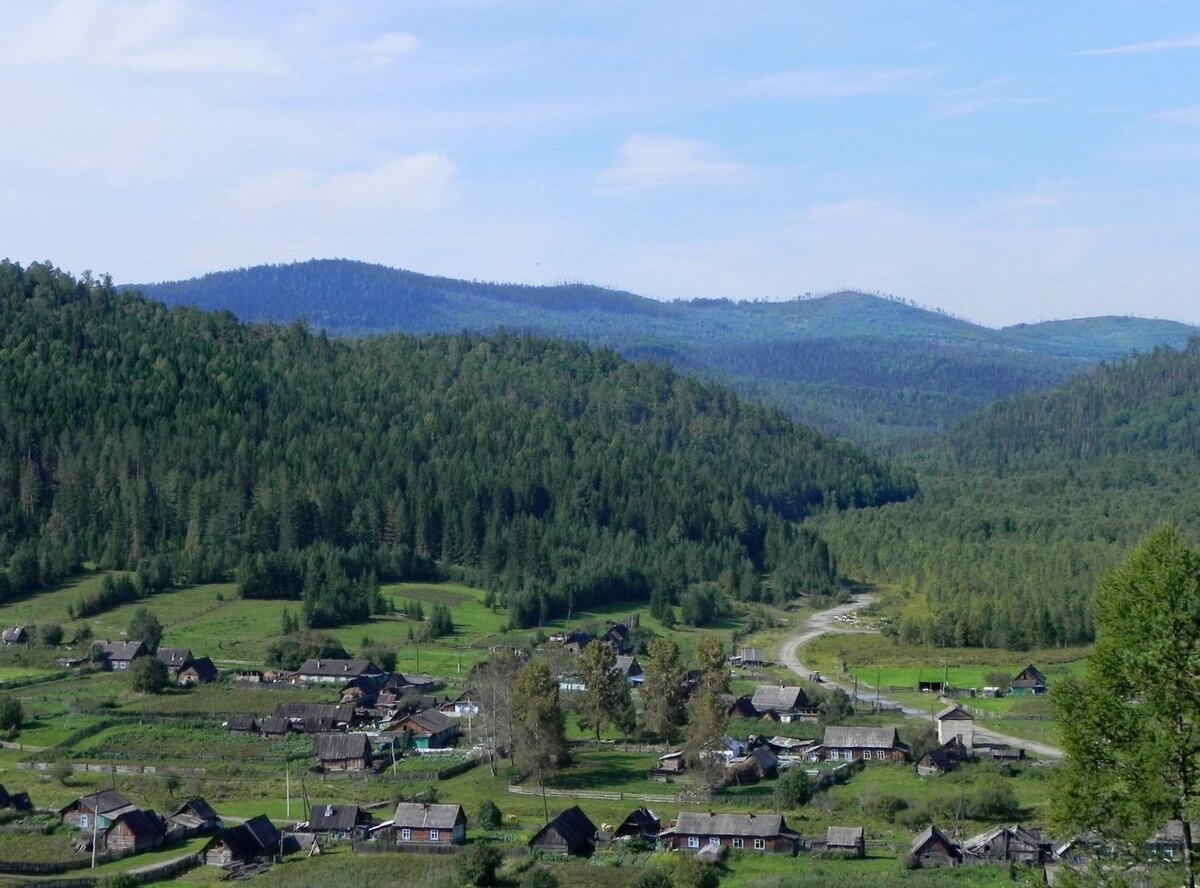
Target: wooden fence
<point>680,798</point>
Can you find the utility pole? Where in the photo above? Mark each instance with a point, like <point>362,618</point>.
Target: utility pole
<point>95,824</point>
<point>288,783</point>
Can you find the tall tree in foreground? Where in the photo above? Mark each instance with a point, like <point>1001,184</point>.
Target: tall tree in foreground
<point>662,690</point>
<point>540,741</point>
<point>492,682</point>
<point>602,686</point>
<point>1131,726</point>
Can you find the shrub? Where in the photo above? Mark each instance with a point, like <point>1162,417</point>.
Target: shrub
<point>51,634</point>
<point>148,675</point>
<point>11,714</point>
<point>539,877</point>
<point>488,816</point>
<point>477,866</point>
<point>793,789</point>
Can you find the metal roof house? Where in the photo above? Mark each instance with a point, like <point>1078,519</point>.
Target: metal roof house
<point>863,743</point>
<point>757,832</point>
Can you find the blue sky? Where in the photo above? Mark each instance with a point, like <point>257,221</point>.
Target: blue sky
<point>1005,161</point>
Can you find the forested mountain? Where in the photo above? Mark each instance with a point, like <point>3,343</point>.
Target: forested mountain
<point>554,474</point>
<point>1026,504</point>
<point>883,372</point>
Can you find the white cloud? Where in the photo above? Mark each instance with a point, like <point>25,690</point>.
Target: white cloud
<point>838,82</point>
<point>1170,44</point>
<point>164,35</point>
<point>1185,116</point>
<point>405,186</point>
<point>658,161</point>
<point>385,49</point>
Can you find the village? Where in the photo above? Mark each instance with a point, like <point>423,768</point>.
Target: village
<point>349,757</point>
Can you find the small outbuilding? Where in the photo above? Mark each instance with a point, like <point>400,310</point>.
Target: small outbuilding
<point>847,841</point>
<point>642,823</point>
<point>932,848</point>
<point>342,752</point>
<point>255,841</point>
<point>348,822</point>
<point>571,832</point>
<point>136,831</point>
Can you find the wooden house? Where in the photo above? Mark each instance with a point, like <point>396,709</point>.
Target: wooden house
<point>347,822</point>
<point>195,817</point>
<point>200,670</point>
<point>576,642</point>
<point>117,655</point>
<point>748,657</point>
<point>1167,843</point>
<point>417,824</point>
<point>174,659</point>
<point>1006,844</point>
<point>430,729</point>
<point>669,766</point>
<point>571,832</point>
<point>932,848</point>
<point>334,671</point>
<point>630,668</point>
<point>242,724</point>
<point>642,823</point>
<point>342,752</point>
<point>275,726</point>
<point>1029,683</point>
<point>134,831</point>
<point>313,718</point>
<point>753,832</point>
<point>255,841</point>
<point>956,722</point>
<point>943,759</point>
<point>15,635</point>
<point>742,707</point>
<point>96,811</point>
<point>846,841</point>
<point>863,743</point>
<point>784,702</point>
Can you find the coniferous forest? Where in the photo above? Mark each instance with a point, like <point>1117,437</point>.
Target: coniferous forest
<point>1025,505</point>
<point>187,445</point>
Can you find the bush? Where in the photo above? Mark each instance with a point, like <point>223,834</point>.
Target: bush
<point>11,714</point>
<point>51,634</point>
<point>793,789</point>
<point>488,816</point>
<point>148,675</point>
<point>884,806</point>
<point>478,864</point>
<point>651,878</point>
<point>539,877</point>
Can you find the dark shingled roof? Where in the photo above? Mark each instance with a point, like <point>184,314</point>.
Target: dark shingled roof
<point>336,817</point>
<point>573,825</point>
<point>931,832</point>
<point>275,725</point>
<point>335,712</point>
<point>954,712</point>
<point>337,668</point>
<point>778,699</point>
<point>124,650</point>
<point>204,667</point>
<point>142,824</point>
<point>198,807</point>
<point>412,815</point>
<point>104,802</point>
<point>174,657</point>
<point>337,747</point>
<point>430,721</point>
<point>252,838</point>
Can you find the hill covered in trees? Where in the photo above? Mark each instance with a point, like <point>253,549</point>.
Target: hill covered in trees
<point>193,445</point>
<point>1026,504</point>
<point>883,372</point>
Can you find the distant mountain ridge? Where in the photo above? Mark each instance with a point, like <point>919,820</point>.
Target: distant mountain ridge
<point>881,371</point>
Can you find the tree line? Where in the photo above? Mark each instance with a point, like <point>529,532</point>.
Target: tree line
<point>313,469</point>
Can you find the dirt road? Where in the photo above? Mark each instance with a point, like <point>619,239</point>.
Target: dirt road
<point>831,621</point>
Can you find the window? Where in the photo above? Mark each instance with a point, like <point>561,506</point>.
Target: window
<point>693,841</point>
<point>435,835</point>
<point>738,843</point>
<point>714,840</point>
<point>83,821</point>
<point>760,844</point>
<point>405,835</point>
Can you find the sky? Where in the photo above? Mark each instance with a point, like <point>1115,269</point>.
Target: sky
<point>1004,161</point>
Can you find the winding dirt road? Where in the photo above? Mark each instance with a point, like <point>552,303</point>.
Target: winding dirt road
<point>829,622</point>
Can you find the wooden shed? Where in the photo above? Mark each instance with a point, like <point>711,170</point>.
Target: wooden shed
<point>571,832</point>
<point>932,848</point>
